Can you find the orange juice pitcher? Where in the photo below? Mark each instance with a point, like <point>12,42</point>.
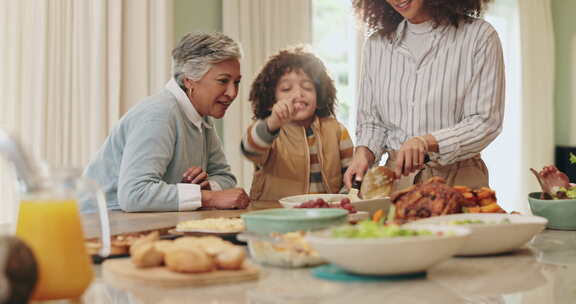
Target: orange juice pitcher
<point>49,222</point>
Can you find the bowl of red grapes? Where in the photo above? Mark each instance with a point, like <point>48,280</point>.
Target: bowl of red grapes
<point>336,201</point>
<point>344,203</point>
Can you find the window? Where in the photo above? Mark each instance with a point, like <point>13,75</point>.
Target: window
<point>336,41</point>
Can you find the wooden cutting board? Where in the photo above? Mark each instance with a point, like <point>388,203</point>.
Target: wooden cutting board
<point>124,270</point>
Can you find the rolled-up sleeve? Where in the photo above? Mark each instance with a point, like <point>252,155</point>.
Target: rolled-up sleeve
<point>370,130</point>
<point>257,142</point>
<point>189,197</point>
<point>483,107</point>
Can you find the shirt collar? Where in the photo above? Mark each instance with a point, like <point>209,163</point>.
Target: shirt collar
<point>185,104</point>
<point>402,28</point>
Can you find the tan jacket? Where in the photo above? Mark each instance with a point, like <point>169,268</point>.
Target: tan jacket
<point>284,169</point>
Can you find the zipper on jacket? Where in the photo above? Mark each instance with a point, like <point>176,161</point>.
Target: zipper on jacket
<point>320,155</point>
<point>307,184</point>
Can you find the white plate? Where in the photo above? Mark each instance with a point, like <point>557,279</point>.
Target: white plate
<point>390,256</point>
<point>369,206</point>
<point>492,237</point>
<point>358,216</point>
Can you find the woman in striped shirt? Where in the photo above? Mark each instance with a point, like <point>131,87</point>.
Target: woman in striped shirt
<point>432,84</point>
<point>295,143</point>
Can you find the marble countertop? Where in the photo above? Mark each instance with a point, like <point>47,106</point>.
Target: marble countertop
<point>543,272</point>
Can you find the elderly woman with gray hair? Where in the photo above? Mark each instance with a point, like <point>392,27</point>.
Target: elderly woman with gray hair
<point>164,154</point>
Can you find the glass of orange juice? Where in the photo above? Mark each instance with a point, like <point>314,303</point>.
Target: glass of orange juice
<point>49,222</point>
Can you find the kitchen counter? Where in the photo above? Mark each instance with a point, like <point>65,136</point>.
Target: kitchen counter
<point>542,272</point>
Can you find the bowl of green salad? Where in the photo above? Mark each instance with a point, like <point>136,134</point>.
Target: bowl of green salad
<point>372,248</point>
<point>557,202</point>
<point>490,233</point>
<point>561,213</point>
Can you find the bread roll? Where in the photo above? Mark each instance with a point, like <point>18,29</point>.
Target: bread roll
<point>231,258</point>
<point>188,259</point>
<point>93,247</point>
<point>164,245</point>
<point>151,237</point>
<point>145,254</point>
<point>187,241</point>
<point>213,245</point>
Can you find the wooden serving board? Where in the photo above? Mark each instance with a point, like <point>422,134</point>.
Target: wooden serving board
<point>124,270</point>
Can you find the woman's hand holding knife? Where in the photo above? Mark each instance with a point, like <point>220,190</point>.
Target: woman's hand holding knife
<point>413,154</point>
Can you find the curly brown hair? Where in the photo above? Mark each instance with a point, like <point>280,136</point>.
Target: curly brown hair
<point>263,91</point>
<point>380,17</point>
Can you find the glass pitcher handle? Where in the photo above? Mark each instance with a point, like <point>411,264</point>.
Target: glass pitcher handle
<point>103,216</point>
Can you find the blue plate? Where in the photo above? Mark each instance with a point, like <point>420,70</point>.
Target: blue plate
<point>334,273</point>
<point>288,220</point>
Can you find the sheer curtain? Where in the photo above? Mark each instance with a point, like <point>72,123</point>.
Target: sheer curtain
<point>262,27</point>
<point>70,69</point>
<point>527,139</point>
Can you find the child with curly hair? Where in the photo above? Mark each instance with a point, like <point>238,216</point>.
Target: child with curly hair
<point>295,142</point>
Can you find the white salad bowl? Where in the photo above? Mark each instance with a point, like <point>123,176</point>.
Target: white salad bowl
<point>370,206</point>
<point>498,233</point>
<point>390,256</point>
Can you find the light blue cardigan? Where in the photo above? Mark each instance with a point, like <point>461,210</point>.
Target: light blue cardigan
<point>147,152</point>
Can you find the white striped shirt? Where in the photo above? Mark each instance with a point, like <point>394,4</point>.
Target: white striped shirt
<point>455,91</point>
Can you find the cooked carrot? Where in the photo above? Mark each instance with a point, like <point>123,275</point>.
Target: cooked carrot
<point>378,216</point>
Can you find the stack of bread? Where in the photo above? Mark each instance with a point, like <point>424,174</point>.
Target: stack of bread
<point>187,254</point>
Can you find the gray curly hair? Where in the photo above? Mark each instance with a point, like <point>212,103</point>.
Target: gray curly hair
<point>196,53</point>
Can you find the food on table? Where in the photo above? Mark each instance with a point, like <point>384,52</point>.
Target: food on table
<point>120,244</point>
<point>231,258</point>
<point>344,203</point>
<point>554,183</point>
<point>474,222</point>
<point>163,245</point>
<point>188,254</point>
<point>377,183</point>
<point>144,252</point>
<point>146,255</point>
<point>372,230</point>
<point>434,197</point>
<point>378,216</point>
<point>220,224</point>
<point>481,200</point>
<point>189,259</point>
<point>210,244</point>
<point>289,250</point>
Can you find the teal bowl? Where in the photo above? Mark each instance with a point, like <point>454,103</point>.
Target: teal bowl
<point>288,220</point>
<point>561,214</point>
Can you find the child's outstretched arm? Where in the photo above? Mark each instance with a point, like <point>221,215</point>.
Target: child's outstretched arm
<point>257,142</point>
<point>259,137</point>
